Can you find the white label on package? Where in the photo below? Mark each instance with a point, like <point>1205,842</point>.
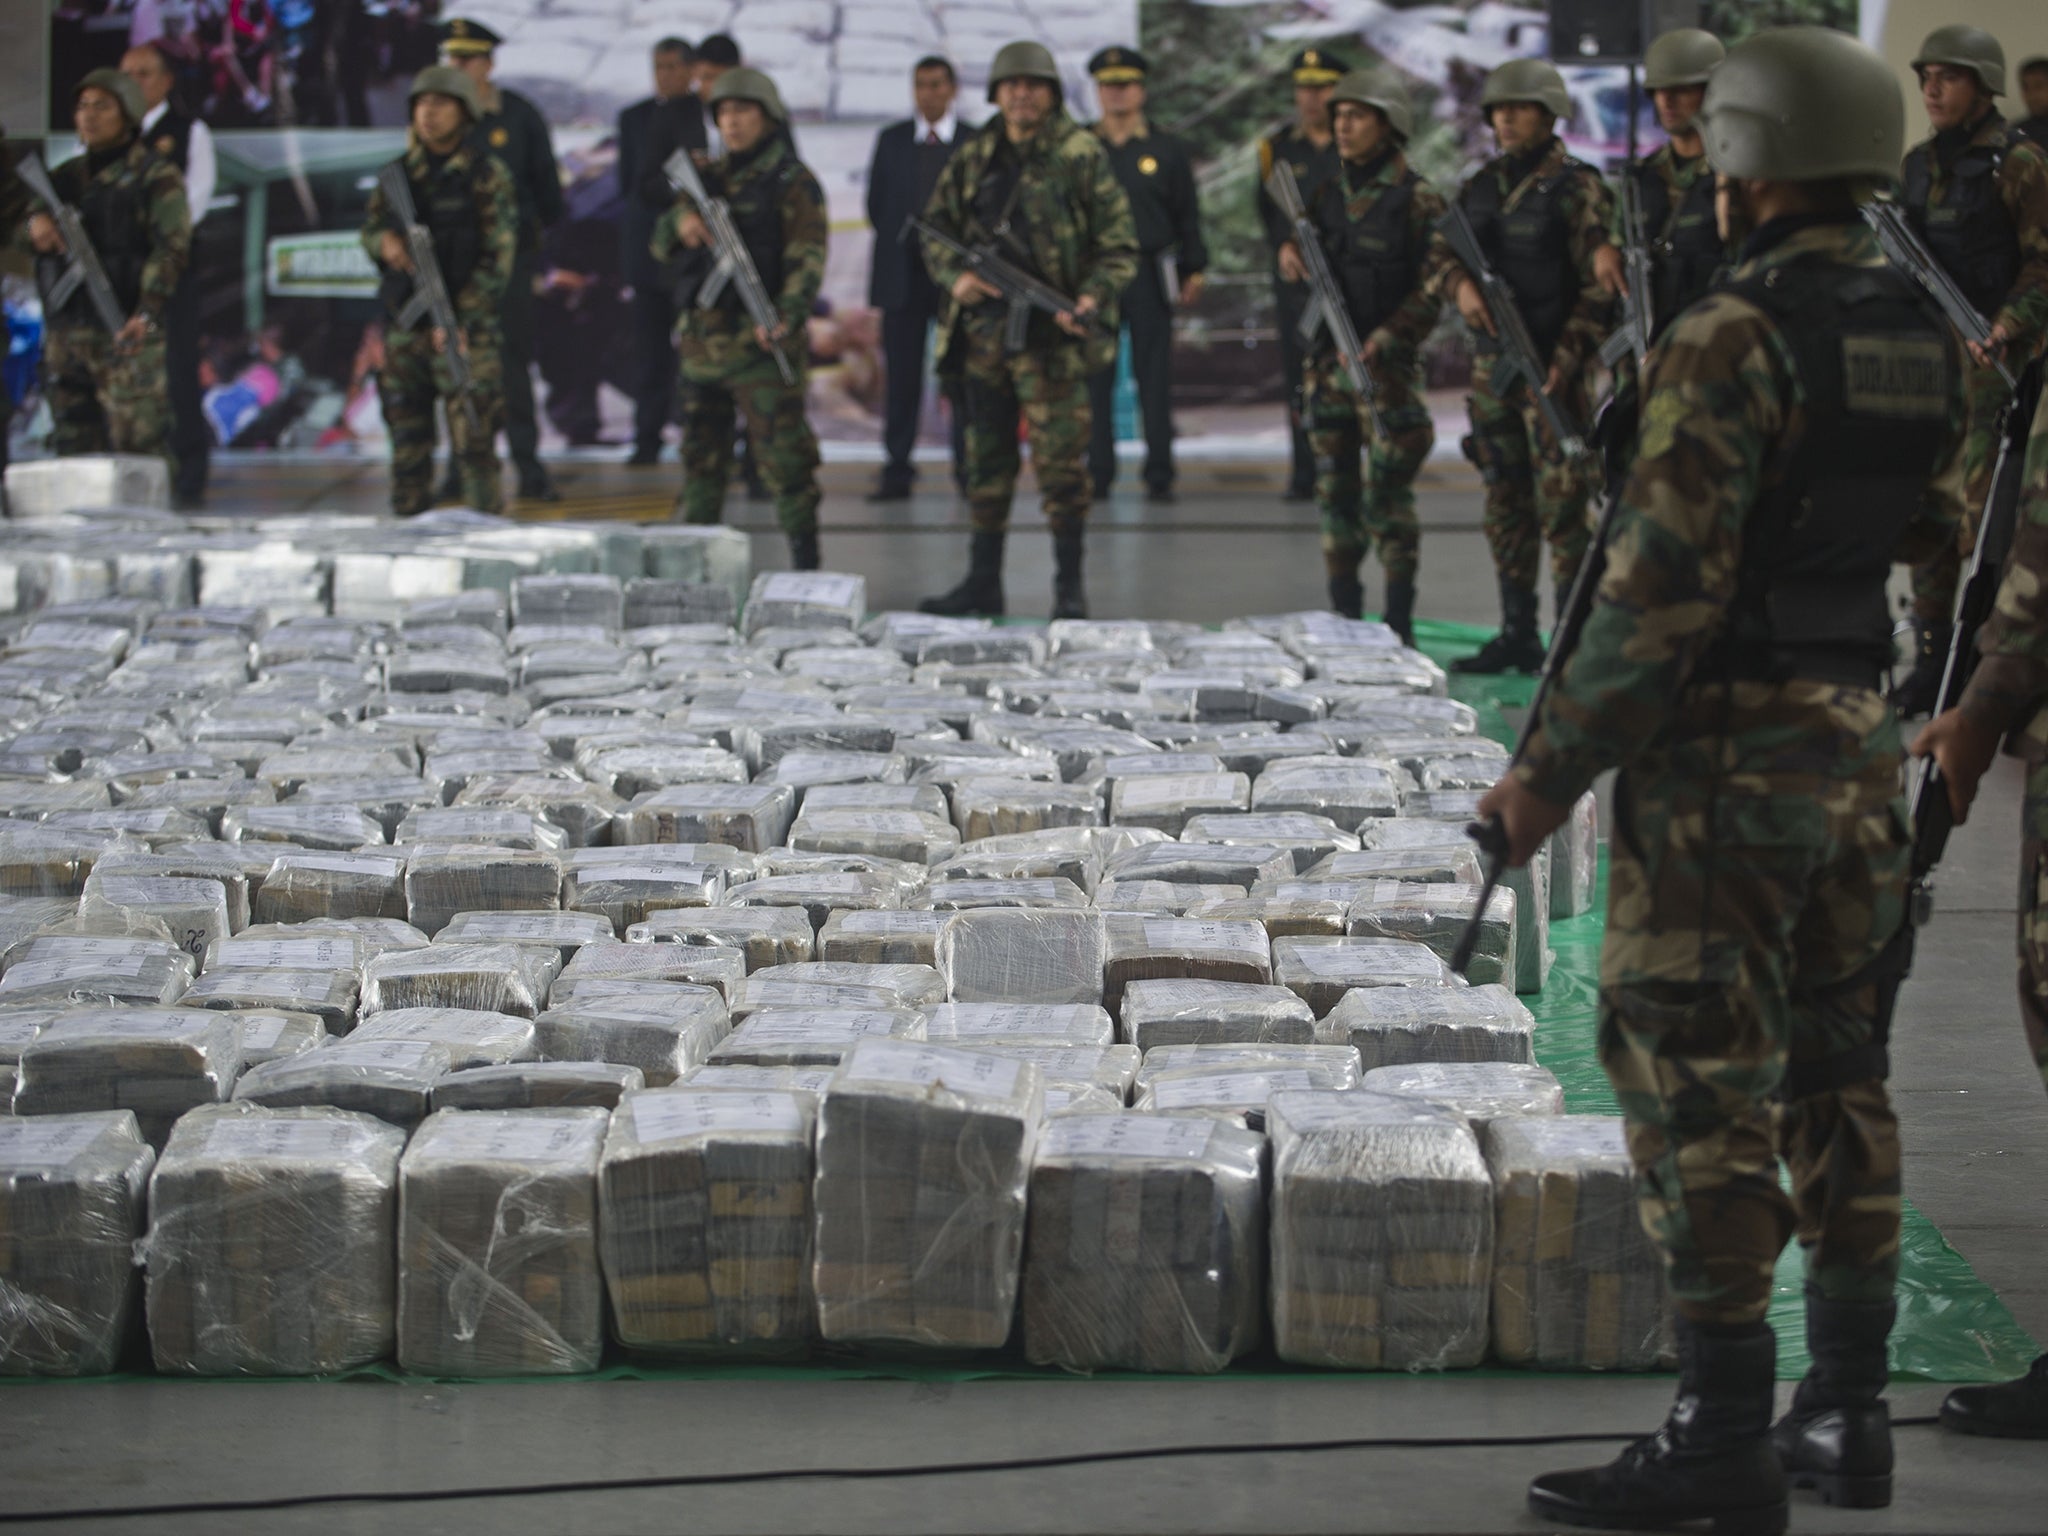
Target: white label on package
<point>403,1054</point>
<point>825,589</point>
<point>43,973</point>
<point>1186,936</point>
<point>899,1061</point>
<point>261,1034</point>
<point>969,1019</point>
<point>667,1115</point>
<point>513,1136</point>
<point>781,1027</point>
<point>1128,1136</point>
<point>366,865</point>
<point>663,874</point>
<point>891,922</point>
<point>286,955</point>
<point>1146,791</point>
<point>1350,960</point>
<point>37,1141</point>
<point>283,1136</point>
<point>276,986</point>
<point>1213,1088</point>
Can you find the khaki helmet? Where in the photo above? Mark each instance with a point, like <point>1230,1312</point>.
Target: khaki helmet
<point>1022,61</point>
<point>1970,48</point>
<point>445,80</point>
<point>1684,57</point>
<point>1534,80</point>
<point>1803,104</point>
<point>742,84</point>
<point>1376,88</point>
<point>118,86</point>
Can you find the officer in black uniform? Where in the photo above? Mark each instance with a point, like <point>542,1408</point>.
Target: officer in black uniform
<point>1305,144</point>
<point>1674,185</point>
<point>512,128</point>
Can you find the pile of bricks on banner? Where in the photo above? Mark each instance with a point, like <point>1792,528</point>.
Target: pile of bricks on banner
<point>524,975</point>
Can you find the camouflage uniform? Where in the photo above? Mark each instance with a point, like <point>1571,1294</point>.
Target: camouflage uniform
<point>447,192</point>
<point>1760,841</point>
<point>779,209</point>
<point>1686,249</point>
<point>101,398</point>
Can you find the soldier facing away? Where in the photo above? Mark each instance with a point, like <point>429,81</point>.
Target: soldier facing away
<point>1674,186</point>
<point>1037,187</point>
<point>1732,667</point>
<point>727,365</point>
<point>107,392</point>
<point>463,197</point>
<point>1376,219</point>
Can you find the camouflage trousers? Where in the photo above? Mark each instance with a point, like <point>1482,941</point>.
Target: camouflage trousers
<point>1963,488</point>
<point>1357,512</point>
<point>1532,493</point>
<point>414,377</point>
<point>103,400</point>
<point>779,437</point>
<point>997,388</point>
<point>1745,916</point>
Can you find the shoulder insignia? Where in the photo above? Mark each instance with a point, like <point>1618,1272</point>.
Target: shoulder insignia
<point>1661,417</point>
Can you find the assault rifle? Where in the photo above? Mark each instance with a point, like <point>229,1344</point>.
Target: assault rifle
<point>1639,321</point>
<point>733,262</point>
<point>1020,290</point>
<point>1326,311</point>
<point>430,300</point>
<point>84,265</point>
<point>1904,249</point>
<point>1518,359</point>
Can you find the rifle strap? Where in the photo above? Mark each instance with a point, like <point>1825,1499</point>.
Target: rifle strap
<point>1870,1061</point>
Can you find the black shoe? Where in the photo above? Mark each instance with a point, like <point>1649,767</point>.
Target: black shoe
<point>1068,599</point>
<point>803,551</point>
<point>536,484</point>
<point>980,595</point>
<point>1921,690</point>
<point>1298,491</point>
<point>889,490</point>
<point>643,457</point>
<point>1837,1436</point>
<point>1160,495</point>
<point>1099,490</point>
<point>1517,648</point>
<point>757,488</point>
<point>1400,614</point>
<point>1347,594</point>
<point>2010,1410</point>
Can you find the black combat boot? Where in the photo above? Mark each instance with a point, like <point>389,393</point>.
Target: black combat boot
<point>1921,690</point>
<point>1837,1437</point>
<point>1068,600</point>
<point>981,594</point>
<point>2011,1410</point>
<point>1400,614</point>
<point>1347,592</point>
<point>803,550</point>
<point>1517,648</point>
<point>1712,1460</point>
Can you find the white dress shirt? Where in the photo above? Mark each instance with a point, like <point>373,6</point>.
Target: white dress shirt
<point>201,175</point>
<point>943,130</point>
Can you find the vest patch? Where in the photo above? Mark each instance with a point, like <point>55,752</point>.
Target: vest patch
<point>1895,376</point>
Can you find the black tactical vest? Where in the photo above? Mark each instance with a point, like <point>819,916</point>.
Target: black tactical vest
<point>1531,249</point>
<point>757,215</point>
<point>446,203</point>
<point>171,137</point>
<point>1685,242</point>
<point>1374,259</point>
<point>1879,375</point>
<point>1970,234</point>
<point>116,221</point>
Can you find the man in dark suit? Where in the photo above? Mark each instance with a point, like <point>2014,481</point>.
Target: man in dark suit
<point>908,158</point>
<point>654,309</point>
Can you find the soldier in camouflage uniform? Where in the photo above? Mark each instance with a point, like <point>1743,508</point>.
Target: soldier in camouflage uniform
<point>1543,219</point>
<point>1674,187</point>
<point>1377,221</point>
<point>1978,194</point>
<point>108,392</point>
<point>1039,187</point>
<point>1731,666</point>
<point>726,366</point>
<point>464,198</point>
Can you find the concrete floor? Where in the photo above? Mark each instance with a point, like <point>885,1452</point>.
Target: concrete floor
<point>1975,1123</point>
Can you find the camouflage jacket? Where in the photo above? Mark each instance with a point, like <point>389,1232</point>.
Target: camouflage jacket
<point>2023,189</point>
<point>1083,239</point>
<point>1341,197</point>
<point>2011,680</point>
<point>497,218</point>
<point>1723,418</point>
<point>162,195</point>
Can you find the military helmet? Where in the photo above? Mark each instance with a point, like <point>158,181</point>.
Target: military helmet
<point>1376,88</point>
<point>1683,57</point>
<point>445,80</point>
<point>1970,48</point>
<point>743,84</point>
<point>1534,80</point>
<point>1803,104</point>
<point>118,86</point>
<point>1022,61</point>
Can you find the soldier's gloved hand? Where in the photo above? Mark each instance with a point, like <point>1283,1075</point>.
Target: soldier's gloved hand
<point>1608,270</point>
<point>1962,749</point>
<point>1991,349</point>
<point>1076,322</point>
<point>129,337</point>
<point>1525,816</point>
<point>1291,266</point>
<point>1473,307</point>
<point>44,235</point>
<point>970,288</point>
<point>392,252</point>
<point>692,231</point>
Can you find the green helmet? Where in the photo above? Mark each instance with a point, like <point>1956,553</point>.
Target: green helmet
<point>1528,80</point>
<point>1684,57</point>
<point>1376,88</point>
<point>742,84</point>
<point>1803,104</point>
<point>1022,61</point>
<point>118,86</point>
<point>445,80</point>
<point>1970,48</point>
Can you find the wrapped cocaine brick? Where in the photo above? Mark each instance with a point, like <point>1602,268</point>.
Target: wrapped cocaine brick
<point>493,978</point>
<point>1436,915</point>
<point>661,1028</point>
<point>1321,971</point>
<point>1110,1067</point>
<point>916,836</point>
<point>992,807</point>
<point>1052,894</point>
<point>812,1036</point>
<point>473,1037</point>
<point>538,1085</point>
<point>1392,1026</point>
<point>973,1026</point>
<point>882,938</point>
<point>272,1034</point>
<point>1481,1091</point>
<point>390,1079</point>
<point>1308,838</point>
<point>562,932</point>
<point>719,967</point>
<point>158,1062</point>
<point>625,891</point>
<point>1248,866</point>
<point>1238,1092</point>
<point>1156,948</point>
<point>805,600</point>
<point>818,896</point>
<point>1575,860</point>
<point>765,935</point>
<point>881,986</point>
<point>329,996</point>
<point>1337,1065</point>
<point>1168,800</point>
<point>750,817</point>
<point>1187,1012</point>
<point>82,970</point>
<point>810,1081</point>
<point>440,884</point>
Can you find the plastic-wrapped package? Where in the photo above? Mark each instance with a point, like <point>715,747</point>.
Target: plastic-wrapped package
<point>493,978</point>
<point>705,1197</point>
<point>628,891</point>
<point>326,828</point>
<point>1238,1092</point>
<point>190,861</point>
<point>582,813</point>
<point>470,1303</point>
<point>1382,1233</point>
<point>1321,971</point>
<point>750,817</point>
<point>159,1062</point>
<point>817,1036</point>
<point>811,1081</point>
<point>1575,860</point>
<point>331,996</point>
<point>1473,770</point>
<point>271,1242</point>
<point>904,880</point>
<point>580,598</point>
<point>657,602</point>
<point>991,807</point>
<point>898,986</point>
<point>662,1028</point>
<point>303,887</point>
<point>1443,863</point>
<point>818,896</point>
<point>494,826</point>
<point>86,970</point>
<point>390,1079</point>
<point>1141,948</point>
<point>1168,800</point>
<point>1023,955</point>
<point>73,1196</point>
<point>1436,915</point>
<point>23,917</point>
<point>1308,838</point>
<point>720,968</point>
<point>1186,1012</point>
<point>1246,867</point>
<point>1076,1098</point>
<point>805,600</point>
<point>373,935</point>
<point>1147,1244</point>
<point>1125,765</point>
<point>1112,1067</point>
<point>473,1037</point>
<point>1335,1064</point>
<point>450,880</point>
<point>882,938</point>
<point>1283,917</point>
<point>926,799</point>
<point>910,835</point>
<point>924,1157</point>
<point>566,933</point>
<point>272,1034</point>
<point>538,1085</point>
<point>1159,898</point>
<point>1349,794</point>
<point>48,861</point>
<point>1481,1091</point>
<point>1577,1284</point>
<point>973,1026</point>
<point>965,895</point>
<point>977,861</point>
<point>195,911</point>
<point>765,935</point>
<point>1393,1026</point>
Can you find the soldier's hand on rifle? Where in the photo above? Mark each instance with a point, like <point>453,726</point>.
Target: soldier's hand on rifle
<point>1991,349</point>
<point>439,338</point>
<point>44,235</point>
<point>129,337</point>
<point>1963,750</point>
<point>768,338</point>
<point>392,252</point>
<point>693,231</point>
<point>1472,305</point>
<point>1292,267</point>
<point>1608,270</point>
<point>970,288</point>
<point>1370,352</point>
<point>1525,816</point>
<point>1554,381</point>
<point>1075,322</point>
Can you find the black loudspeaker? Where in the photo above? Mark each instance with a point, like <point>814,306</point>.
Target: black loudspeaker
<point>1613,31</point>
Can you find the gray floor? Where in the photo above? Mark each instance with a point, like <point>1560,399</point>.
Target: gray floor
<point>1975,1121</point>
